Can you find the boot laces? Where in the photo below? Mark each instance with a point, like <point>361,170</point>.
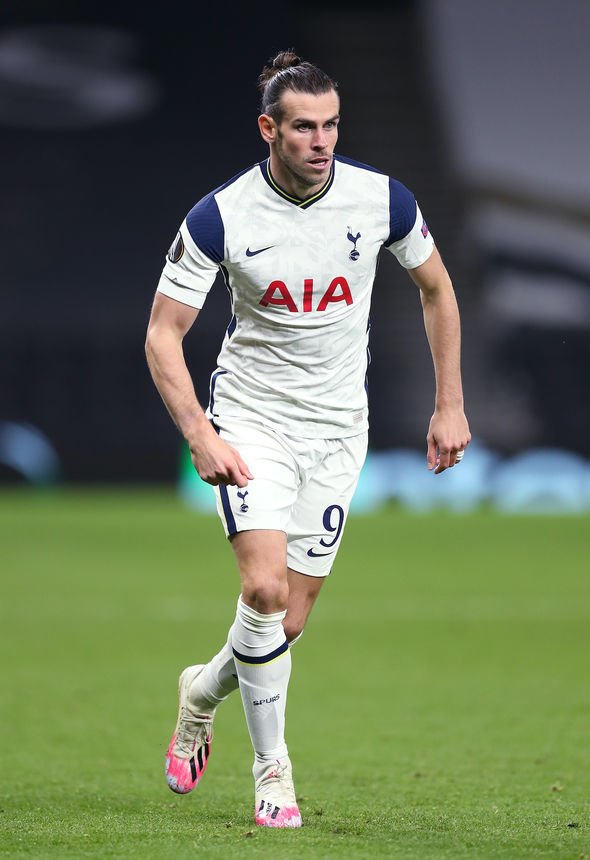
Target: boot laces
<point>194,730</point>
<point>277,783</point>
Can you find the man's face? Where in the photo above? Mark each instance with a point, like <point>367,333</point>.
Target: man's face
<point>307,136</point>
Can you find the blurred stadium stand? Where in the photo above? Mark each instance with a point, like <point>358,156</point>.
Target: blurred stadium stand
<point>114,122</point>
<point>509,79</point>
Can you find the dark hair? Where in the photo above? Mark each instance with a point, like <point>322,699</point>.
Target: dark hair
<point>288,72</point>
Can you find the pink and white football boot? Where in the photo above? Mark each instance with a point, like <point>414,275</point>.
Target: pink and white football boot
<point>188,752</point>
<point>275,804</point>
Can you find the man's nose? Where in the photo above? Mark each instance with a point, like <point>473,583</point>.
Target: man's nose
<point>319,140</point>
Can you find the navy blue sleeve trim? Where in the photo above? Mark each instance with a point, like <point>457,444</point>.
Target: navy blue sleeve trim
<point>402,211</point>
<point>205,224</point>
<point>206,228</point>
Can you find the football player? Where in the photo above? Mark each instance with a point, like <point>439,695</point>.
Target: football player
<point>285,433</point>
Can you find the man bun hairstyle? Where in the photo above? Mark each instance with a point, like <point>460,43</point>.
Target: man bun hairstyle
<point>287,71</point>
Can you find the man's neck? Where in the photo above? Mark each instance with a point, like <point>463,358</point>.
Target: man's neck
<point>289,183</point>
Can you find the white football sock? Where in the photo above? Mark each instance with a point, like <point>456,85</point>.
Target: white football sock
<point>219,678</point>
<point>263,664</point>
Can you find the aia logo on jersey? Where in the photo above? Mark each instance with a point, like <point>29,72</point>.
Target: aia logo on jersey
<point>354,254</point>
<point>278,293</point>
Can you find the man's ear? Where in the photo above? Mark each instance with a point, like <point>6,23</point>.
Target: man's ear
<point>268,128</point>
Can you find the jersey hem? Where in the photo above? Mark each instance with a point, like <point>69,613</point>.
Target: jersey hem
<point>420,260</point>
<point>184,295</point>
<point>306,429</point>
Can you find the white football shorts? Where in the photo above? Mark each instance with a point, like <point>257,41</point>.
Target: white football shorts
<point>302,487</point>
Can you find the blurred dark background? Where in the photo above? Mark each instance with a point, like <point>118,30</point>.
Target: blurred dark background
<point>116,118</point>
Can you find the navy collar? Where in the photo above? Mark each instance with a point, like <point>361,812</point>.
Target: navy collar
<point>296,201</point>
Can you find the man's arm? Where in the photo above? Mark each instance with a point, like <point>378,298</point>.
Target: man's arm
<point>215,461</point>
<point>448,432</point>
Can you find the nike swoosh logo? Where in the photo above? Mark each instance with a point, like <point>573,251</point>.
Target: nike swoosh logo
<point>313,554</point>
<point>250,253</point>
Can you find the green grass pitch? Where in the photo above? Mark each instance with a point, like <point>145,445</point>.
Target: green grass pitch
<point>439,705</point>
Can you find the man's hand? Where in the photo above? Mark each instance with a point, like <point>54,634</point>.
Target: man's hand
<point>217,462</point>
<point>448,434</point>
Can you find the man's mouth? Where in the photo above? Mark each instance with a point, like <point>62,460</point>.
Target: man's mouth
<point>320,162</point>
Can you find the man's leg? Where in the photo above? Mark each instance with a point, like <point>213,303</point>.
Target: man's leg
<point>303,593</point>
<point>263,664</point>
<point>219,678</point>
<point>207,686</point>
<point>261,654</point>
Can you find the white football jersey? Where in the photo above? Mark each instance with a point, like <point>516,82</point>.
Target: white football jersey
<point>300,275</point>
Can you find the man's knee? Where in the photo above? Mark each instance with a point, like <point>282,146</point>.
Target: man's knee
<point>261,557</point>
<point>266,594</point>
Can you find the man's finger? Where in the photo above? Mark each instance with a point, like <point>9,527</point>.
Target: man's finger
<point>243,467</point>
<point>431,453</point>
<point>236,476</point>
<point>244,470</point>
<point>444,460</point>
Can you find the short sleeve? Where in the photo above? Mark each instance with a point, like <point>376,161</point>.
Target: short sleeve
<point>194,257</point>
<point>409,238</point>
